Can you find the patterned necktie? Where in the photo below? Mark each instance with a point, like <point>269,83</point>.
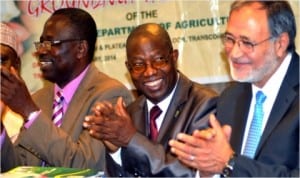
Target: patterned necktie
<point>58,109</point>
<point>58,112</point>
<point>255,130</point>
<point>154,113</point>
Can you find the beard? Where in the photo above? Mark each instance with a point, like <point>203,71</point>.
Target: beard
<point>254,75</point>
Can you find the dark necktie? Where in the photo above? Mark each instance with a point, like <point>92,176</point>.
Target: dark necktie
<point>255,130</point>
<point>58,109</point>
<point>154,113</point>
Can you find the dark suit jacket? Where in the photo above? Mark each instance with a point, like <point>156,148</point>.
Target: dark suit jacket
<point>278,151</point>
<point>189,110</point>
<point>70,145</point>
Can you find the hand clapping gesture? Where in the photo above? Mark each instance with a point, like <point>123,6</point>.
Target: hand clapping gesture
<point>112,124</point>
<point>206,150</point>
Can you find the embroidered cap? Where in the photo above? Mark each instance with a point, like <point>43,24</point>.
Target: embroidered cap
<point>8,37</point>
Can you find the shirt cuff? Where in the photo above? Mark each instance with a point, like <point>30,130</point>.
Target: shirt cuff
<point>31,118</point>
<point>198,175</point>
<point>116,156</point>
<point>2,137</point>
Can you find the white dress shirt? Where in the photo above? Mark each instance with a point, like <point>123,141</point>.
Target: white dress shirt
<point>270,89</point>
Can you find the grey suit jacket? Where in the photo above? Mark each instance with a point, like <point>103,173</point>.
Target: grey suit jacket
<point>11,160</point>
<point>189,110</point>
<point>278,151</point>
<point>70,145</point>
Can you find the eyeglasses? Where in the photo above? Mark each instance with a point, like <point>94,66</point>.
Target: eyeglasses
<point>48,44</point>
<point>245,45</point>
<point>157,63</point>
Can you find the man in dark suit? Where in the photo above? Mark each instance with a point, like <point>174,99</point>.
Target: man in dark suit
<point>65,54</point>
<point>185,106</point>
<point>260,44</point>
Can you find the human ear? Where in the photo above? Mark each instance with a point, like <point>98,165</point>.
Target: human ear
<point>282,43</point>
<point>175,55</point>
<point>82,49</point>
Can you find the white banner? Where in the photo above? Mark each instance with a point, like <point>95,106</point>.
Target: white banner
<point>194,26</point>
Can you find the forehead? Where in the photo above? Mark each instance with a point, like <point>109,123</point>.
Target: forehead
<point>56,26</point>
<point>146,44</point>
<point>248,21</point>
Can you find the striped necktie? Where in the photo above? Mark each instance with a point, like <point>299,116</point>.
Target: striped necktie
<point>58,109</point>
<point>255,130</point>
<point>58,112</point>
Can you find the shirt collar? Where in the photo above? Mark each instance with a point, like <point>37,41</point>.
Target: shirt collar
<point>69,90</point>
<point>273,84</point>
<point>164,104</point>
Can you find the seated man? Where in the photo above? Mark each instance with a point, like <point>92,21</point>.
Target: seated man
<point>260,45</point>
<point>170,103</point>
<point>53,134</point>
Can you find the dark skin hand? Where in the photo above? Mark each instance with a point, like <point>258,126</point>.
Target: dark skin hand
<point>112,124</point>
<point>15,94</point>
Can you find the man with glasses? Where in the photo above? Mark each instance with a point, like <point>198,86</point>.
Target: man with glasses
<point>53,134</point>
<point>260,113</point>
<point>179,105</point>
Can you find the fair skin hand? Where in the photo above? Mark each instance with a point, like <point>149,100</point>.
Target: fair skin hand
<point>112,124</point>
<point>206,150</point>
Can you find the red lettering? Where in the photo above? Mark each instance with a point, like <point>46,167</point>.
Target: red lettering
<point>72,3</point>
<point>56,6</point>
<point>44,6</point>
<point>32,9</point>
<point>37,8</point>
<point>86,3</point>
<point>99,3</point>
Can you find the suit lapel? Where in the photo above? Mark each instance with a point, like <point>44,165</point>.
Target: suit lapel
<point>174,109</point>
<point>285,97</point>
<point>46,103</point>
<point>236,113</point>
<point>82,94</point>
<point>139,115</point>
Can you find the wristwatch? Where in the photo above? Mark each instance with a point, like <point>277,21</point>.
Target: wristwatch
<point>227,170</point>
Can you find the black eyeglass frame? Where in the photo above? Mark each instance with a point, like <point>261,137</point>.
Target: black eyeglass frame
<point>49,43</point>
<point>163,59</point>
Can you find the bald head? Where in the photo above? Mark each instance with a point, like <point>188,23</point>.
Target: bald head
<point>150,30</point>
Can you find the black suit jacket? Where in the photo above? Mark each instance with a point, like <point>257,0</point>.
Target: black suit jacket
<point>278,151</point>
<point>189,110</point>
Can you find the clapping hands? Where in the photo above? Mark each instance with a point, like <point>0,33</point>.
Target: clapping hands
<point>112,124</point>
<point>206,150</point>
